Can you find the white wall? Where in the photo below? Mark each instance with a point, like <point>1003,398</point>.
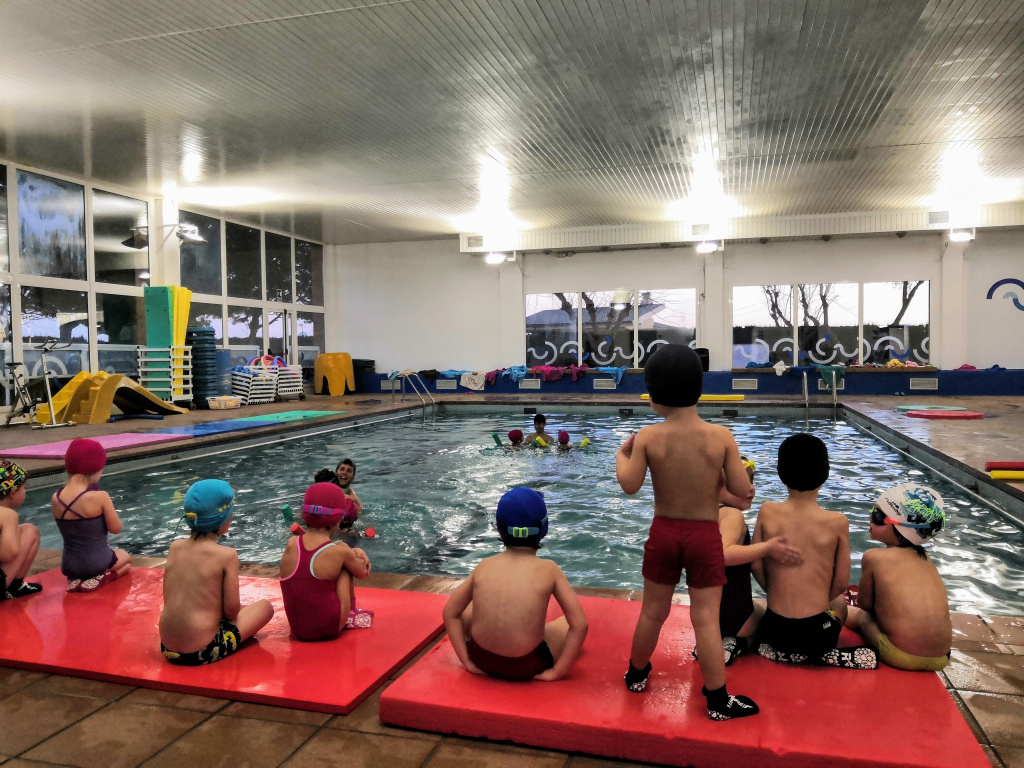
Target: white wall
<point>425,305</point>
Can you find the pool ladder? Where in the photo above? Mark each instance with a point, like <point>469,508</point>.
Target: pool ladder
<point>835,398</point>
<point>416,383</point>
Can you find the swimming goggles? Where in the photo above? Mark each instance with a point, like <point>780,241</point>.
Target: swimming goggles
<point>878,517</point>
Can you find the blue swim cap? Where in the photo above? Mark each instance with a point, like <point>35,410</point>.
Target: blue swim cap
<point>522,518</point>
<point>208,505</point>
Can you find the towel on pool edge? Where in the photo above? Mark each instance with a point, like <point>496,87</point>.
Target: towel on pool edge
<point>549,372</point>
<point>516,372</point>
<point>827,371</point>
<point>577,370</point>
<point>616,373</point>
<point>451,373</point>
<point>473,380</point>
<point>491,377</point>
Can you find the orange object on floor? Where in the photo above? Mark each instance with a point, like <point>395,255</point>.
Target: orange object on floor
<point>111,634</point>
<point>947,415</point>
<point>810,716</point>
<point>333,374</point>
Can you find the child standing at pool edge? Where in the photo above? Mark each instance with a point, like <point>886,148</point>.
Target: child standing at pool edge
<point>687,457</point>
<point>203,619</point>
<point>495,619</point>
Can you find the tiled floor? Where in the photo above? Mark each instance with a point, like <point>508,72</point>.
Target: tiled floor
<point>52,720</point>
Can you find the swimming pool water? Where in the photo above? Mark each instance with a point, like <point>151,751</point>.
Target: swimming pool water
<point>430,489</point>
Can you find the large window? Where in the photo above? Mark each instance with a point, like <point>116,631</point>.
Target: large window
<point>120,227</point>
<point>279,267</point>
<point>829,326</point>
<point>665,317</point>
<point>309,273</point>
<point>279,328</point>
<point>607,323</point>
<point>245,326</point>
<point>49,313</point>
<point>762,325</point>
<point>200,262</point>
<point>120,329</point>
<point>6,347</point>
<point>896,321</point>
<point>209,315</point>
<point>310,337</point>
<point>551,323</point>
<point>51,226</point>
<point>242,254</point>
<point>5,253</point>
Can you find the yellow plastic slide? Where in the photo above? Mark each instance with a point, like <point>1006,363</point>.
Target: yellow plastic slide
<point>89,398</point>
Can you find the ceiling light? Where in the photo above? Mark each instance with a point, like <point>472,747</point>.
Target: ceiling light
<point>621,299</point>
<point>226,197</point>
<point>144,274</point>
<point>189,234</point>
<point>707,246</point>
<point>494,257</point>
<point>138,239</point>
<point>961,235</point>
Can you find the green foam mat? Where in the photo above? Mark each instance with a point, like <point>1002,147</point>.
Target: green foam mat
<point>293,415</point>
<point>159,331</point>
<point>905,408</point>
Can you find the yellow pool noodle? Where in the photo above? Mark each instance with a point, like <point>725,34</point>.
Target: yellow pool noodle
<point>585,443</point>
<point>1007,474</point>
<point>540,442</point>
<point>710,398</point>
<point>645,396</point>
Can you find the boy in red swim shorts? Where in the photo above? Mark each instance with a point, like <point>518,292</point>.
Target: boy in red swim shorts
<point>687,457</point>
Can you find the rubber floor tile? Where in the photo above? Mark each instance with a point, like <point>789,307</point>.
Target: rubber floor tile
<point>365,719</point>
<point>12,680</point>
<point>277,714</point>
<point>1010,629</point>
<point>1012,757</point>
<point>80,686</point>
<point>1000,717</point>
<point>461,755</point>
<point>969,627</point>
<point>234,742</point>
<point>579,761</point>
<point>29,717</point>
<point>331,748</point>
<point>986,672</point>
<point>118,736</point>
<point>171,699</point>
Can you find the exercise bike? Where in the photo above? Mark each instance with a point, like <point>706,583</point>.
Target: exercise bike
<point>25,402</point>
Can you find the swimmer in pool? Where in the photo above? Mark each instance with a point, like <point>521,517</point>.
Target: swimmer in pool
<point>806,604</point>
<point>515,437</point>
<point>564,441</point>
<point>739,613</point>
<point>344,474</point>
<point>903,609</point>
<point>539,423</point>
<point>495,619</point>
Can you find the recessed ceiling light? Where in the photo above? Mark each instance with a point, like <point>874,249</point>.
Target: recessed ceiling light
<point>707,246</point>
<point>961,235</point>
<point>494,258</point>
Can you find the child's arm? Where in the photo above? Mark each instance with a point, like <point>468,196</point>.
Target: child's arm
<point>110,514</point>
<point>577,620</point>
<point>232,601</point>
<point>631,463</point>
<point>452,614</point>
<point>841,569</point>
<point>356,562</point>
<point>866,589</point>
<point>736,480</point>
<point>10,539</point>
<point>731,525</point>
<point>757,566</point>
<point>356,500</point>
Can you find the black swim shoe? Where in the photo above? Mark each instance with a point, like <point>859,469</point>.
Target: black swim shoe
<point>636,679</point>
<point>17,588</point>
<point>771,654</point>
<point>722,706</point>
<point>860,657</point>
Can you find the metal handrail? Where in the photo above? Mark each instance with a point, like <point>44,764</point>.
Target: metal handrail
<point>807,398</point>
<point>415,377</point>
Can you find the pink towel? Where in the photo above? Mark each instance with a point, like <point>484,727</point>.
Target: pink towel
<point>577,370</point>
<point>491,377</point>
<point>549,372</point>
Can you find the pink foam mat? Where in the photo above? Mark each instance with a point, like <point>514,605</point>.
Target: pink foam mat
<point>109,442</point>
<point>111,634</point>
<point>810,716</point>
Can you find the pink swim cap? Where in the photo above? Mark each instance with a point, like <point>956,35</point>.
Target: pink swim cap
<point>563,437</point>
<point>515,435</point>
<point>326,505</point>
<point>84,457</point>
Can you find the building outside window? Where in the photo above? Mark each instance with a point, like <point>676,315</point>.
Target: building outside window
<point>120,330</point>
<point>665,317</point>
<point>551,329</point>
<point>49,313</point>
<point>200,263</point>
<point>51,227</point>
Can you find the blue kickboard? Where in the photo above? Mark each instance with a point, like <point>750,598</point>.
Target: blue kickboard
<point>212,428</point>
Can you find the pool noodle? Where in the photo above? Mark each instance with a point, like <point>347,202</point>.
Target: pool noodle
<point>539,442</point>
<point>496,438</point>
<point>1007,474</point>
<point>1011,465</point>
<point>585,443</point>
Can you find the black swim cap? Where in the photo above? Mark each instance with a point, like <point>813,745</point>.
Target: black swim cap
<point>674,376</point>
<point>803,462</point>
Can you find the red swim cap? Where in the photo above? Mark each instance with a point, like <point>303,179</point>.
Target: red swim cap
<point>515,435</point>
<point>326,505</point>
<point>84,457</point>
<point>563,437</point>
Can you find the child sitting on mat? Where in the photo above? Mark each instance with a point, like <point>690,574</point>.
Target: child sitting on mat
<point>495,619</point>
<point>203,619</point>
<point>903,610</point>
<point>686,456</point>
<point>740,614</point>
<point>18,542</point>
<point>85,515</point>
<point>806,604</point>
<point>316,574</point>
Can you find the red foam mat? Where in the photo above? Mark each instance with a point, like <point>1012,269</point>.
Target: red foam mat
<point>810,716</point>
<point>945,415</point>
<point>111,634</point>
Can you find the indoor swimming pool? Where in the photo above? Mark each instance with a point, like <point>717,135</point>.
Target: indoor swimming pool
<point>430,489</point>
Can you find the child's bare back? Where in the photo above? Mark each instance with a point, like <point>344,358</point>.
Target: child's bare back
<point>196,587</point>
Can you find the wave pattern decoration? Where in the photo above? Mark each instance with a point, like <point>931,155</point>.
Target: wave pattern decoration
<point>1011,295</point>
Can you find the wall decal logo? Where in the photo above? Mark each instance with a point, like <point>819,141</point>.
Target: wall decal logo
<point>1018,300</point>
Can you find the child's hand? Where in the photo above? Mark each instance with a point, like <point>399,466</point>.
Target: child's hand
<point>548,676</point>
<point>626,449</point>
<point>780,550</point>
<point>471,667</point>
<point>363,558</point>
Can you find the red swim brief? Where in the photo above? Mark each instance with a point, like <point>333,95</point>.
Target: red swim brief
<point>695,545</point>
<point>511,667</point>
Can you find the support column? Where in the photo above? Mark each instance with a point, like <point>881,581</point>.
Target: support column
<point>949,344</point>
<point>711,313</point>
<point>512,314</point>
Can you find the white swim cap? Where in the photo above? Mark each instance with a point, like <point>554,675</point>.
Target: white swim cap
<point>916,509</point>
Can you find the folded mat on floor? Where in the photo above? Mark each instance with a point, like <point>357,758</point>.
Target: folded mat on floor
<point>111,634</point>
<point>110,442</point>
<point>905,408</point>
<point>810,716</point>
<point>945,415</point>
<point>205,428</point>
<point>293,415</point>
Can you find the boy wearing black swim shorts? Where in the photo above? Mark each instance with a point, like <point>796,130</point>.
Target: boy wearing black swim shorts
<point>806,605</point>
<point>687,456</point>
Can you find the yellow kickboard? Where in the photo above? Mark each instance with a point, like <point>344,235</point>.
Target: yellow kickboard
<point>1007,474</point>
<point>710,398</point>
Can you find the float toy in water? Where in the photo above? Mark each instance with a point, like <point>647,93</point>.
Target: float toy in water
<point>539,443</point>
<point>286,513</point>
<point>905,408</point>
<point>370,533</point>
<point>497,439</point>
<point>951,415</point>
<point>297,529</point>
<point>645,396</point>
<point>1008,474</point>
<point>585,443</point>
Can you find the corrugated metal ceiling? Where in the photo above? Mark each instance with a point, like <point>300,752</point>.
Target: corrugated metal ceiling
<point>375,115</point>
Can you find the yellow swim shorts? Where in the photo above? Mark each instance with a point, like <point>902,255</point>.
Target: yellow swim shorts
<point>894,657</point>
